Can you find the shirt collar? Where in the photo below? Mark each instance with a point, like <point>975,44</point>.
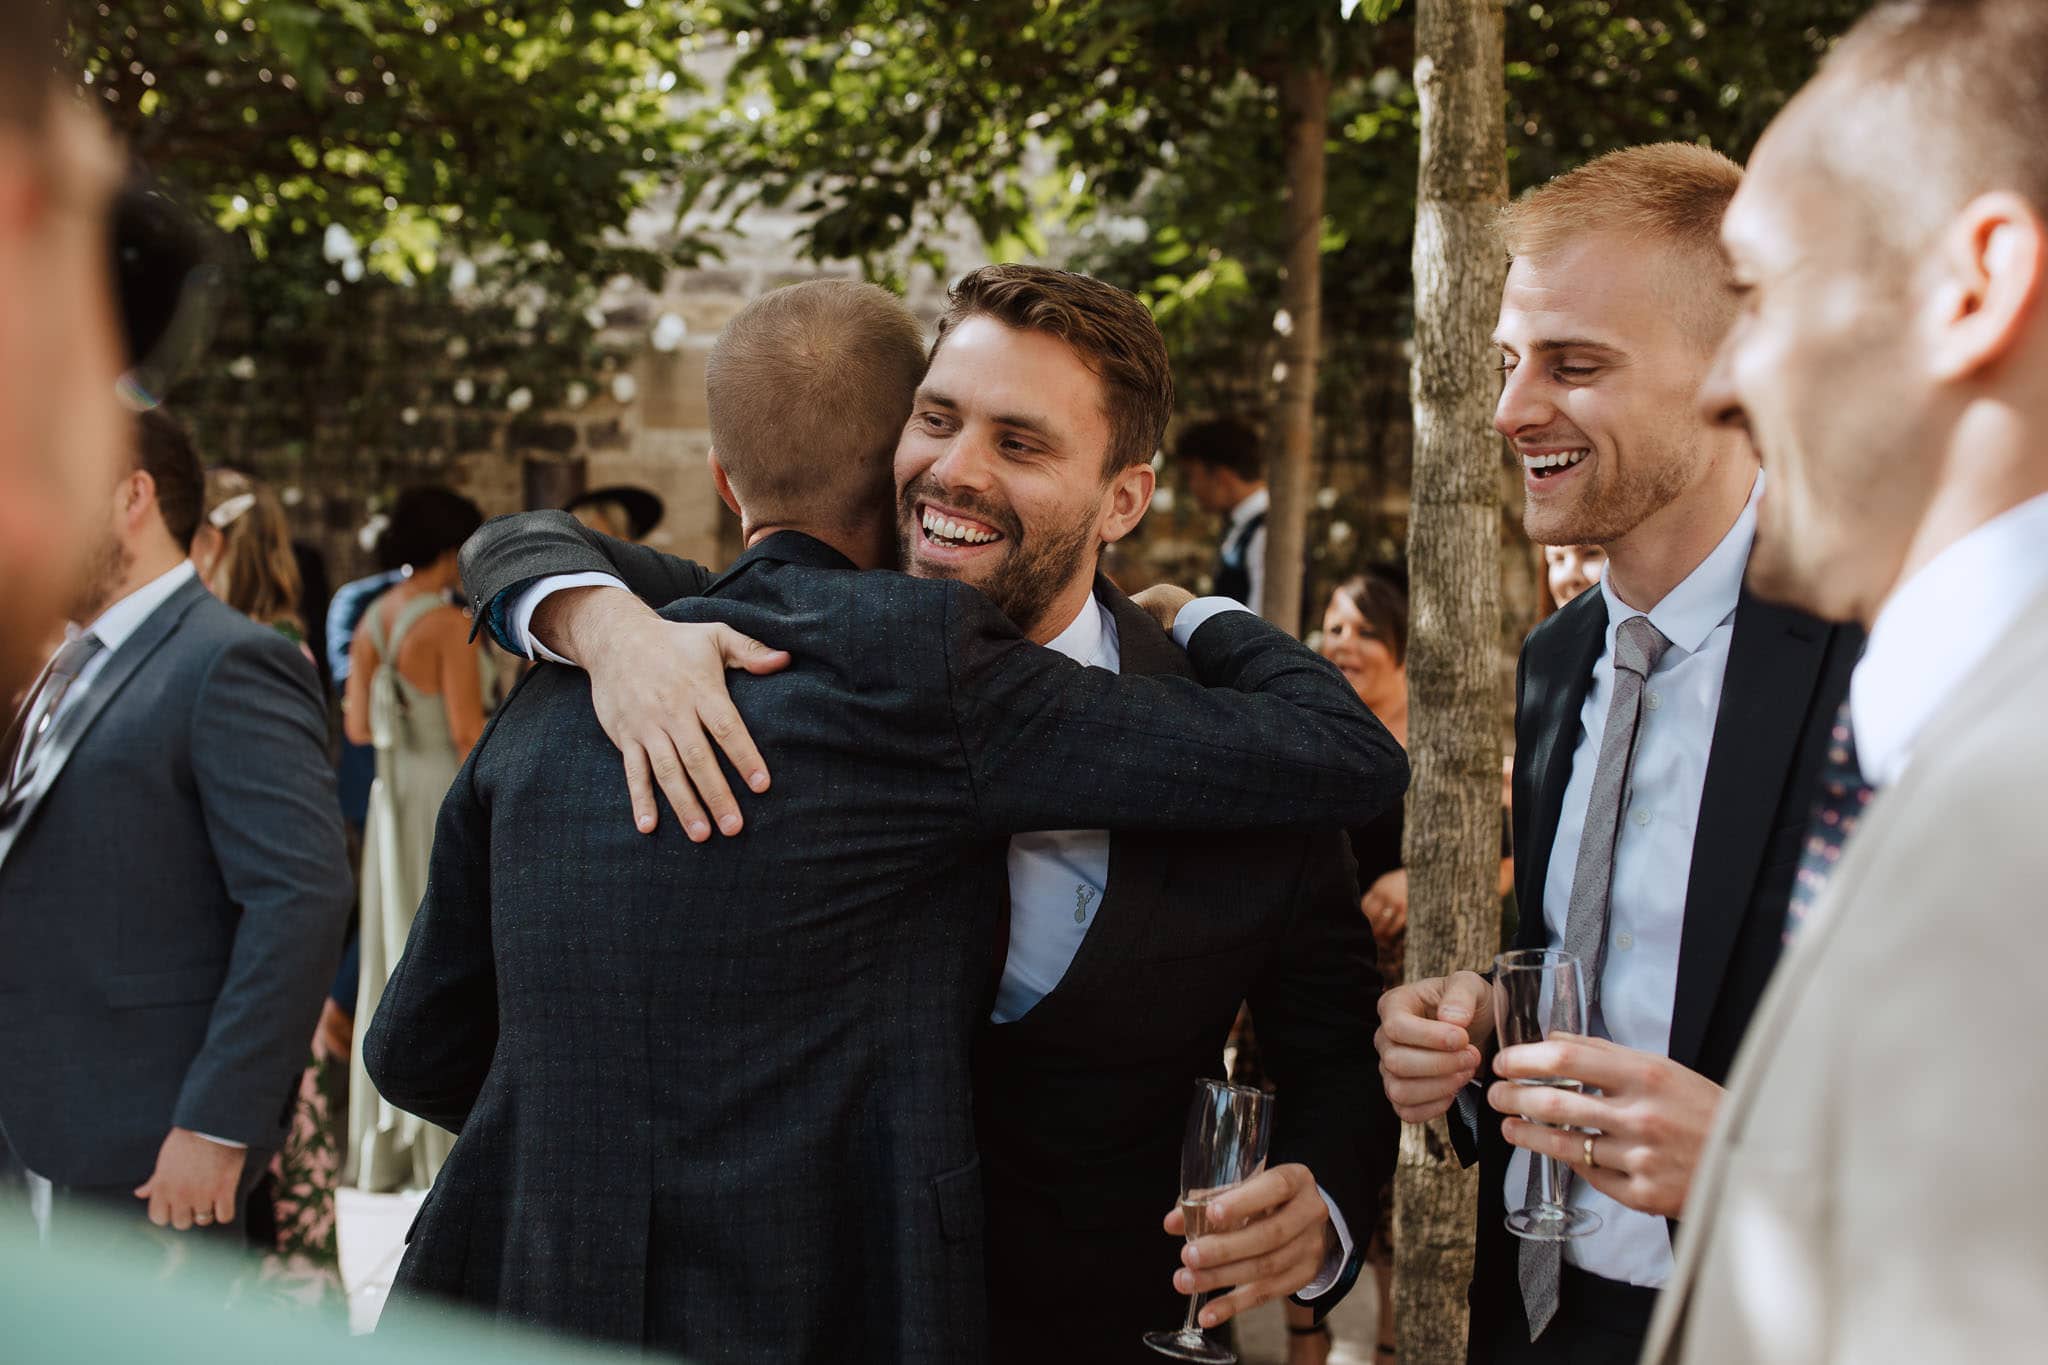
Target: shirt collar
<point>1935,630</point>
<point>1090,639</point>
<point>114,625</point>
<point>1708,595</point>
<point>1258,501</point>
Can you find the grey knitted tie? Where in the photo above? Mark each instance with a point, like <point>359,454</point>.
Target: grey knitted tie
<point>1638,646</point>
<point>40,712</point>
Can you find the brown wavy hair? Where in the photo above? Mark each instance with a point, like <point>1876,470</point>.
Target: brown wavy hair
<point>1109,328</point>
<point>256,573</point>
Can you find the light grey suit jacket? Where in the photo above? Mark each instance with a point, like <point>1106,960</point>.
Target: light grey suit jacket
<point>1875,1190</point>
<point>173,900</point>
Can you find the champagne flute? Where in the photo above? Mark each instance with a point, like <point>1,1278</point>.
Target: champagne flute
<point>1229,1129</point>
<point>1538,992</point>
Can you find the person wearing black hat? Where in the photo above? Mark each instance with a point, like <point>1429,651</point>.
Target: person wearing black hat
<point>621,511</point>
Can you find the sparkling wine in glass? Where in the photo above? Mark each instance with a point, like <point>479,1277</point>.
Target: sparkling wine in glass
<point>1538,992</point>
<point>1229,1130</point>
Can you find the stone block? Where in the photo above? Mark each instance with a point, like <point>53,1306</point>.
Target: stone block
<point>537,434</point>
<point>672,390</point>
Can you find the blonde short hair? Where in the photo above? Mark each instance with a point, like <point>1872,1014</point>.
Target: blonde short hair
<point>1673,193</point>
<point>809,388</point>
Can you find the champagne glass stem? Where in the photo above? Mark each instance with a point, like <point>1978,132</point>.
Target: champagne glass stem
<point>1553,1183</point>
<point>1188,1330</point>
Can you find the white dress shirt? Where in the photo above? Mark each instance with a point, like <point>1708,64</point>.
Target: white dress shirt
<point>1057,878</point>
<point>1937,628</point>
<point>1255,547</point>
<point>1652,856</point>
<point>113,627</point>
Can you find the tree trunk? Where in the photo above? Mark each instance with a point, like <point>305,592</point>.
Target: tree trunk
<point>1453,830</point>
<point>1305,101</point>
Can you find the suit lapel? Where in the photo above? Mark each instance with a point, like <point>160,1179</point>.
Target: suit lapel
<point>1557,681</point>
<point>78,722</point>
<point>1774,664</point>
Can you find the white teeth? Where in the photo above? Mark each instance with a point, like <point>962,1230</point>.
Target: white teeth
<point>949,529</point>
<point>1561,459</point>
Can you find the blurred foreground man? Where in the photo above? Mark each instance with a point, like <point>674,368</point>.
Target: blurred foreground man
<point>1669,733</point>
<point>1875,1189</point>
<point>61,428</point>
<point>173,891</point>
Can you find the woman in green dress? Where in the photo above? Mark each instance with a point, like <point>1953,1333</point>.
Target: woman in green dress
<point>416,689</point>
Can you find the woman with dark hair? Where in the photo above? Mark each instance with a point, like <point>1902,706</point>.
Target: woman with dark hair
<point>1365,634</point>
<point>416,693</point>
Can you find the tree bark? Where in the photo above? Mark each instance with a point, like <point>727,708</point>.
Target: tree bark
<point>1305,101</point>
<point>1453,823</point>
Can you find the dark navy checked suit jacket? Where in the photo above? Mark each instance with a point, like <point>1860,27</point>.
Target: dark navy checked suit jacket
<point>717,1098</point>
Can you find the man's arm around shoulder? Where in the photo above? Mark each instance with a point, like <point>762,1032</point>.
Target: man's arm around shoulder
<point>1276,739</point>
<point>511,554</point>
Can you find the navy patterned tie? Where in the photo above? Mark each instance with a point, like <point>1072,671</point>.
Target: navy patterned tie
<point>1836,809</point>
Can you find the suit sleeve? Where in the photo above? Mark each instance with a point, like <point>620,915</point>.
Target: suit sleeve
<point>1314,1009</point>
<point>509,553</point>
<point>1276,739</point>
<point>259,760</point>
<point>430,1045</point>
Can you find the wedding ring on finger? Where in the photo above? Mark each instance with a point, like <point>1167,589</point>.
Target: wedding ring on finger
<point>202,1220</point>
<point>1591,1163</point>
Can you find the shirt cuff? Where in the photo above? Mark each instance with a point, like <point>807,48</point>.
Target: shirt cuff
<point>223,1142</point>
<point>1334,1263</point>
<point>525,601</point>
<point>1198,613</point>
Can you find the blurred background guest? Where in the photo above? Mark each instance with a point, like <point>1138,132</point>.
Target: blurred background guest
<point>173,889</point>
<point>1571,569</point>
<point>621,511</point>
<point>1365,634</point>
<point>61,352</point>
<point>415,693</point>
<point>1226,474</point>
<point>243,551</point>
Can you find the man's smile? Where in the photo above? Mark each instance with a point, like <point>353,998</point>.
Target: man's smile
<point>952,534</point>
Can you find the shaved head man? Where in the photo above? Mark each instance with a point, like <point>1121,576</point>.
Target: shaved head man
<point>1875,1188</point>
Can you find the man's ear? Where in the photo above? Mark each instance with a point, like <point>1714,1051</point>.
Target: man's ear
<point>1130,494</point>
<point>1991,269</point>
<point>137,499</point>
<point>723,485</point>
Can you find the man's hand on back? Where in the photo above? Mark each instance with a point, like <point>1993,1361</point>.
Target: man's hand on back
<point>659,691</point>
<point>1162,602</point>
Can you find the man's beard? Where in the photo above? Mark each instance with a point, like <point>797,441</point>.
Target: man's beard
<point>105,568</point>
<point>1030,573</point>
<point>1622,500</point>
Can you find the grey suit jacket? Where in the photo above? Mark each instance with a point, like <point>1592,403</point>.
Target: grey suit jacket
<point>173,899</point>
<point>1874,1189</point>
